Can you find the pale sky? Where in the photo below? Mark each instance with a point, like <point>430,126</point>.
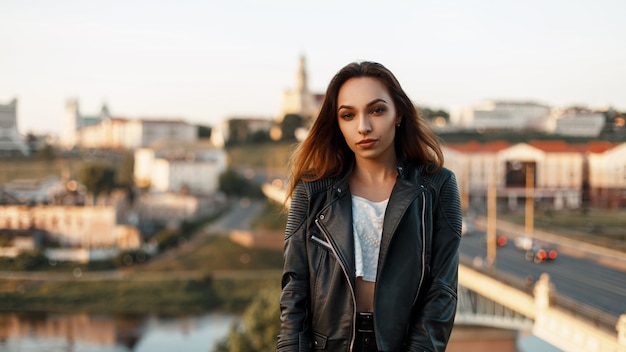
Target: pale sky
<point>204,61</point>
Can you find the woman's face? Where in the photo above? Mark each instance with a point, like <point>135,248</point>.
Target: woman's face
<point>367,119</point>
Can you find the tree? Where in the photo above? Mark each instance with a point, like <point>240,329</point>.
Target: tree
<point>289,125</point>
<point>47,152</point>
<point>429,114</point>
<point>98,178</point>
<point>260,324</point>
<point>29,260</point>
<point>233,184</point>
<point>125,171</point>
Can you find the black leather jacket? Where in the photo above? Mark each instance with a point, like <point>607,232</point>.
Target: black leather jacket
<point>416,283</point>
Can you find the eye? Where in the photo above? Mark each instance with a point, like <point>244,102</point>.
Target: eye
<point>346,116</point>
<point>379,110</point>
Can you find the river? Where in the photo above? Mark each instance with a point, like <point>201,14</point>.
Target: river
<point>51,332</point>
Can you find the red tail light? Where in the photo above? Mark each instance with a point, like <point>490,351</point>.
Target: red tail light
<point>541,254</point>
<point>553,254</point>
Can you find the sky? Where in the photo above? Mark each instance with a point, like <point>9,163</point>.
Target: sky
<point>205,61</point>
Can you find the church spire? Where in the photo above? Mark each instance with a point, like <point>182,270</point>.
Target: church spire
<point>302,84</point>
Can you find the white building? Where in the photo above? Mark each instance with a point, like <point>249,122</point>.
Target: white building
<point>584,124</point>
<point>73,226</point>
<point>118,133</point>
<point>192,167</point>
<point>75,121</point>
<point>104,131</point>
<point>10,140</point>
<point>562,174</point>
<point>35,191</point>
<point>509,115</point>
<point>607,174</point>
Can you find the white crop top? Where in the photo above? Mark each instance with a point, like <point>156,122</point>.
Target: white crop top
<point>367,227</point>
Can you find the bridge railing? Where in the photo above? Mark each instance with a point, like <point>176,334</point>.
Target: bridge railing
<point>596,316</point>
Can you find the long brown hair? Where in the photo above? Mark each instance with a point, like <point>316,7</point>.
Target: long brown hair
<point>324,152</point>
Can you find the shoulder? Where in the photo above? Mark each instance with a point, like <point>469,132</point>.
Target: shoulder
<point>428,175</point>
<point>440,177</point>
<point>311,188</point>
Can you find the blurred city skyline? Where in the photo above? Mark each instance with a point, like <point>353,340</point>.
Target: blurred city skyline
<point>207,61</point>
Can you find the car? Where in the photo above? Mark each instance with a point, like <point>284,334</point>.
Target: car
<point>524,243</point>
<point>501,240</point>
<point>538,253</point>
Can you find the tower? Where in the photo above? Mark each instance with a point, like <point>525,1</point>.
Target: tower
<point>73,123</point>
<point>301,80</point>
<point>10,141</point>
<point>299,101</point>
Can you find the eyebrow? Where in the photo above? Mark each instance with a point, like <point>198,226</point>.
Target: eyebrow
<point>375,101</point>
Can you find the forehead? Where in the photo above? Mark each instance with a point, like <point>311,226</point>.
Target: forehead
<point>362,89</point>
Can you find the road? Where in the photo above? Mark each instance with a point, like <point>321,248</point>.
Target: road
<point>580,277</point>
<point>239,216</point>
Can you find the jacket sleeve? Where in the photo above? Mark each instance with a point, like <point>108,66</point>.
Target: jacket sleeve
<point>436,309</point>
<point>295,326</point>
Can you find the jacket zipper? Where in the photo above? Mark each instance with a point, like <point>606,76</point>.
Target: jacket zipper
<point>345,273</point>
<point>419,286</point>
<point>321,242</point>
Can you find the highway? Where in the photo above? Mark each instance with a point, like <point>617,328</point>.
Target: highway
<point>579,277</point>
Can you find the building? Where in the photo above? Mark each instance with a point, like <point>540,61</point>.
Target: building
<point>508,115</point>
<point>10,141</point>
<point>47,190</point>
<point>300,100</point>
<point>580,124</point>
<point>75,121</point>
<point>562,175</point>
<point>72,226</point>
<point>121,133</point>
<point>192,168</point>
<point>103,131</point>
<point>607,174</point>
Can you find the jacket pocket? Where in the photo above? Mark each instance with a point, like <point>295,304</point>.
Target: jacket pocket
<point>319,341</point>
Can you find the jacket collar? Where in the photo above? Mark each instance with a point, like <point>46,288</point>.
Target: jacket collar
<point>342,185</point>
<point>336,217</point>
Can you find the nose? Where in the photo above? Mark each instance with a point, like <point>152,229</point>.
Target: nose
<point>364,125</point>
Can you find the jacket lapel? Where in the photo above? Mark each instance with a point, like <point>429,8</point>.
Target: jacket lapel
<point>337,221</point>
<point>402,195</point>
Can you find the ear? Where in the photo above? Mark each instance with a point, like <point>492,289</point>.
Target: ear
<point>398,121</point>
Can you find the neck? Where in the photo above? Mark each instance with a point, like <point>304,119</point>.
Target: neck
<point>372,172</point>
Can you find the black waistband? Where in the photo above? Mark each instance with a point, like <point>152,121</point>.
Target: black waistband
<point>365,322</point>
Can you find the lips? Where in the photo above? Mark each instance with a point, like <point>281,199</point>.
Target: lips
<point>366,143</point>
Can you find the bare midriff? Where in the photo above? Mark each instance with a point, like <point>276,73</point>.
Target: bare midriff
<point>364,295</point>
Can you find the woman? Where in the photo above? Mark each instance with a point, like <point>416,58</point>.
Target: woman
<point>372,235</point>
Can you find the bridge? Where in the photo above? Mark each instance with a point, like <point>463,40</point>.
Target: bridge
<point>583,315</point>
<point>577,302</point>
<point>487,301</point>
